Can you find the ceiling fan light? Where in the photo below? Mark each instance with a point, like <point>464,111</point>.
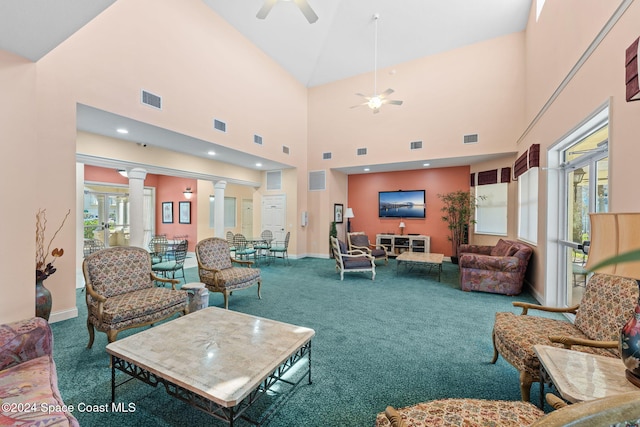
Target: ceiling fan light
<point>375,102</point>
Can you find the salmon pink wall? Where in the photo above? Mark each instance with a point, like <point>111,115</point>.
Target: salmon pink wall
<point>363,199</point>
<point>171,189</point>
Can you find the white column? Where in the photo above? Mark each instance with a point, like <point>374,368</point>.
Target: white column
<point>218,208</point>
<point>136,206</point>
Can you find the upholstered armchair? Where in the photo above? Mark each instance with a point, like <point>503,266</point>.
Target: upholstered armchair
<point>360,241</point>
<point>497,269</point>
<point>217,272</point>
<point>351,261</point>
<point>619,410</point>
<point>121,292</point>
<point>608,302</point>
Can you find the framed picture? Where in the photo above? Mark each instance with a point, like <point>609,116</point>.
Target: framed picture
<point>185,212</point>
<point>167,212</point>
<point>338,210</point>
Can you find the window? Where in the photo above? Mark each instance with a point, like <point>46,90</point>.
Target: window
<point>229,212</point>
<point>491,209</point>
<point>528,206</point>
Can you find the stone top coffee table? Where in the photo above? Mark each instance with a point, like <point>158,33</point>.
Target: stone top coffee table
<point>217,360</point>
<point>428,259</point>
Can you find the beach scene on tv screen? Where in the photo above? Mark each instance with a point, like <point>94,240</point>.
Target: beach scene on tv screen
<point>401,204</point>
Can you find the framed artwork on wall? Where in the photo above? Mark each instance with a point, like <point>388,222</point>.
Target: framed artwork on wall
<point>167,212</point>
<point>338,210</point>
<point>185,212</point>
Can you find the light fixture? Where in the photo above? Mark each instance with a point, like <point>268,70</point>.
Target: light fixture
<point>122,131</point>
<point>349,214</point>
<point>402,225</point>
<point>426,164</point>
<point>258,165</point>
<point>212,198</point>
<point>376,101</point>
<point>123,172</point>
<point>211,153</point>
<point>187,193</point>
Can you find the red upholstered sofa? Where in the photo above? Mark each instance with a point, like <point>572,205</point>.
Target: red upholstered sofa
<point>28,379</point>
<point>498,269</point>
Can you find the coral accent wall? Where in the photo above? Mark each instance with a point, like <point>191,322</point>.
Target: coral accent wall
<point>363,199</point>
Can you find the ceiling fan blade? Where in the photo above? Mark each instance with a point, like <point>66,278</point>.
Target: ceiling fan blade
<point>306,10</point>
<point>266,8</point>
<point>362,95</point>
<point>359,105</point>
<point>386,93</point>
<point>393,102</point>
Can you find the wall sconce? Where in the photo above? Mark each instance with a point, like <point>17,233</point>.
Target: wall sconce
<point>212,198</point>
<point>402,225</point>
<point>187,193</point>
<point>349,214</point>
<point>123,172</point>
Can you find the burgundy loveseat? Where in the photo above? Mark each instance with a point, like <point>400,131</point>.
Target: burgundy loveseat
<point>498,269</point>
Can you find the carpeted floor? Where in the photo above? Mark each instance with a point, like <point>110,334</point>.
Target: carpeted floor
<point>401,339</point>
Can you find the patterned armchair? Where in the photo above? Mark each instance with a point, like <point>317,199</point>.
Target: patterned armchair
<point>121,292</point>
<point>216,270</point>
<point>354,261</point>
<point>608,302</point>
<point>620,410</point>
<point>360,241</point>
<point>497,269</point>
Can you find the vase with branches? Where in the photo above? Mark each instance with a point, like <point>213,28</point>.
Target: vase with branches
<point>458,212</point>
<point>44,267</point>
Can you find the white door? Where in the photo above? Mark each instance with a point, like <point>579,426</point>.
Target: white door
<point>274,209</point>
<point>247,218</point>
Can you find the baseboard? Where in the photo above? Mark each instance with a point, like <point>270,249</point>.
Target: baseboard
<point>59,316</point>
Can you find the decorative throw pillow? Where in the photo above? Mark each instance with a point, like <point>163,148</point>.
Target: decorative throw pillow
<point>501,248</point>
<point>512,250</point>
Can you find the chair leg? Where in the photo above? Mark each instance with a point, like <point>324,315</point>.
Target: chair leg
<point>226,300</point>
<point>92,333</point>
<point>112,335</point>
<point>259,288</point>
<point>525,385</point>
<point>495,349</point>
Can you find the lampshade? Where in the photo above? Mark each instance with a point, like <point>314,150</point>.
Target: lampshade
<point>188,193</point>
<point>349,213</point>
<point>212,198</point>
<point>613,234</point>
<point>401,224</point>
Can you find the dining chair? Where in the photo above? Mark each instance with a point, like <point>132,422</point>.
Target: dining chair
<point>281,248</point>
<point>264,244</point>
<point>243,250</point>
<point>232,248</point>
<point>158,248</point>
<point>173,265</point>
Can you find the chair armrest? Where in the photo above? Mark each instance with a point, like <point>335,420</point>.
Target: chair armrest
<point>356,254</point>
<point>526,306</point>
<point>241,261</point>
<point>554,401</point>
<point>488,262</point>
<point>475,249</point>
<point>24,340</point>
<point>173,282</point>
<point>567,342</point>
<point>360,248</point>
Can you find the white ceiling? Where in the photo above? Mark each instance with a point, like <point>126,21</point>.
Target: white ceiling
<point>339,45</point>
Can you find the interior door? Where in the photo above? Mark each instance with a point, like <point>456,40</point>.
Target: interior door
<point>274,209</point>
<point>247,217</point>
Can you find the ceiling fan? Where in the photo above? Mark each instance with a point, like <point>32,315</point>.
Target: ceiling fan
<point>303,5</point>
<point>377,100</point>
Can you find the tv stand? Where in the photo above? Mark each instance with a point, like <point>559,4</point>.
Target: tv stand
<point>395,244</point>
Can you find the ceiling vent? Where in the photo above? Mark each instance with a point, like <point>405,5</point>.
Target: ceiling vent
<point>257,139</point>
<point>151,100</point>
<point>416,145</point>
<point>274,180</point>
<point>285,149</point>
<point>219,125</point>
<point>326,156</point>
<point>317,181</point>
<point>470,139</point>
<point>362,152</point>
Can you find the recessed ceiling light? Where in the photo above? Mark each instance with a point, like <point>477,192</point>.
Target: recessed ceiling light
<point>122,130</point>
<point>211,153</point>
<point>259,165</point>
<point>426,164</point>
<point>367,169</point>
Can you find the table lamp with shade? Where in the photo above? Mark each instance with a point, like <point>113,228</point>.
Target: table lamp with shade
<point>402,226</point>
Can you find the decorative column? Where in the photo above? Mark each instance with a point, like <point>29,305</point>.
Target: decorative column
<point>218,208</point>
<point>136,206</point>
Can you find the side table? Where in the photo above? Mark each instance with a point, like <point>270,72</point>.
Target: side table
<point>581,376</point>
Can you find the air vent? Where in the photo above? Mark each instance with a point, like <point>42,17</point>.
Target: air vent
<point>416,145</point>
<point>285,149</point>
<point>317,181</point>
<point>362,152</point>
<point>326,156</point>
<point>219,125</point>
<point>470,139</point>
<point>257,139</point>
<point>274,180</point>
<point>151,100</point>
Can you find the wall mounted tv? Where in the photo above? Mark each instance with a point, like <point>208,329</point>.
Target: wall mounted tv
<point>401,204</point>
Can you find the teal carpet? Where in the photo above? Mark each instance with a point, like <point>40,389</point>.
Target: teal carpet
<point>401,339</point>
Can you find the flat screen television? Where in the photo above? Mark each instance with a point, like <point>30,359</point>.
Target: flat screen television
<point>401,204</point>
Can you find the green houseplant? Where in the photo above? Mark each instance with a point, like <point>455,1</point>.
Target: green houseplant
<point>333,232</point>
<point>457,211</point>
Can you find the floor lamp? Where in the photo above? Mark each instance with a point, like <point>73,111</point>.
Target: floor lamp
<point>348,214</point>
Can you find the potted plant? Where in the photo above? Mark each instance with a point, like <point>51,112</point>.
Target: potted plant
<point>333,232</point>
<point>458,212</point>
